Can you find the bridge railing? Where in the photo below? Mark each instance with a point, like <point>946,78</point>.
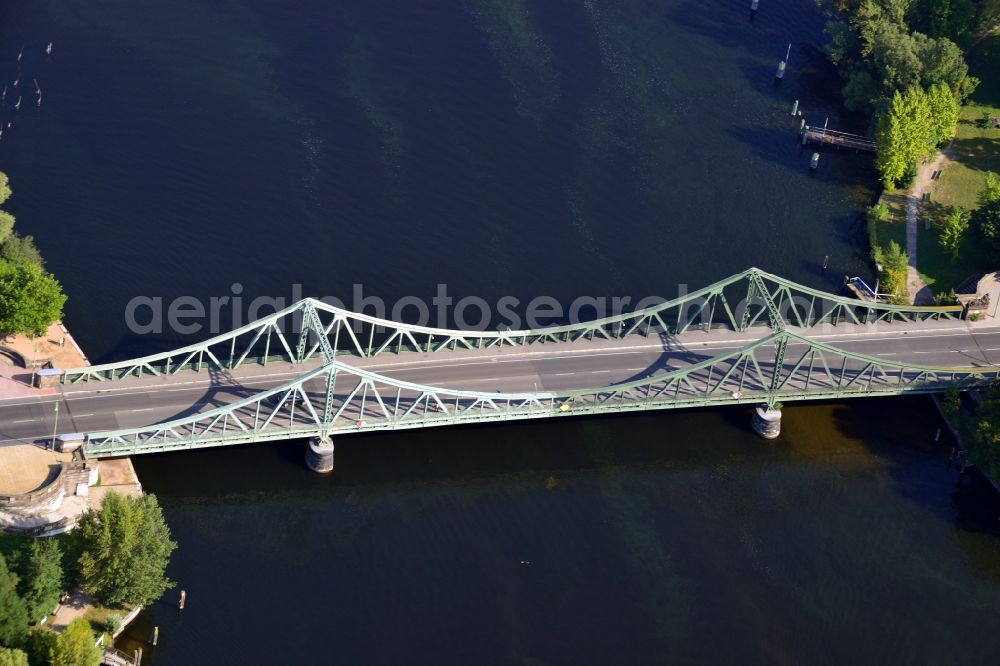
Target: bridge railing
<point>338,398</point>
<point>310,328</point>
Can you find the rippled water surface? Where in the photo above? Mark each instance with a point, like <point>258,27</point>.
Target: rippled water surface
<point>503,147</point>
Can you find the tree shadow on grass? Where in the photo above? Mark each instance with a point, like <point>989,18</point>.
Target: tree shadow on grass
<point>980,153</point>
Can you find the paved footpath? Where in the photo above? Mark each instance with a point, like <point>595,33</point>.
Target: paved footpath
<point>920,293</point>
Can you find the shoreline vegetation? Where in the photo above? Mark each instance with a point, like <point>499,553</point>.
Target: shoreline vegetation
<point>117,556</point>
<point>30,297</point>
<point>935,113</point>
<point>903,65</point>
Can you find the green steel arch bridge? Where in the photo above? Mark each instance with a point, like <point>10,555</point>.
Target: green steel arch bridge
<point>751,339</point>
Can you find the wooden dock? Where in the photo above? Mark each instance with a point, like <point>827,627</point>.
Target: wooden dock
<point>838,139</point>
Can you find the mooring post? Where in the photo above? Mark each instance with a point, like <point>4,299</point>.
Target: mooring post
<point>781,65</point>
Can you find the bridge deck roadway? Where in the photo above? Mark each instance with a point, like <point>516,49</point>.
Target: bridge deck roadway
<point>134,402</point>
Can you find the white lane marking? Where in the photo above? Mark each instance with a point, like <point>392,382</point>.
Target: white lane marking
<point>144,409</point>
<point>24,421</point>
<point>599,372</point>
<point>81,415</point>
<point>859,337</point>
<point>886,354</point>
<point>564,374</point>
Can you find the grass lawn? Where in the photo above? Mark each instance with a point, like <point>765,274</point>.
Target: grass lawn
<point>893,227</point>
<point>936,267</point>
<point>975,151</point>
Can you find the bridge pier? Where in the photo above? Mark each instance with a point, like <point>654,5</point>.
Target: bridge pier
<point>319,455</point>
<point>766,422</point>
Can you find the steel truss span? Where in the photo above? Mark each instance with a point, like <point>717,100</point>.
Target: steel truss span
<point>333,397</point>
<point>746,300</point>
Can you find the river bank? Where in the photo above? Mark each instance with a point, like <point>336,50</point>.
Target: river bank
<point>42,490</point>
<point>953,178</point>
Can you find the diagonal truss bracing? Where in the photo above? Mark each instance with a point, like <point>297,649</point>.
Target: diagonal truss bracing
<point>312,329</point>
<point>337,398</point>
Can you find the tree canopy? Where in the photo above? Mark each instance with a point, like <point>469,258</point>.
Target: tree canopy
<point>884,47</point>
<point>909,129</point>
<point>75,646</point>
<point>894,261</point>
<point>986,221</point>
<point>21,249</point>
<point>13,613</point>
<point>124,550</point>
<point>953,231</point>
<point>30,298</point>
<point>42,581</point>
<point>13,657</point>
<point>984,445</point>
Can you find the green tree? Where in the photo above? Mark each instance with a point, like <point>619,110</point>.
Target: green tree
<point>891,152</point>
<point>990,191</point>
<point>984,445</point>
<point>955,226</point>
<point>945,18</point>
<point>919,125</point>
<point>30,299</point>
<point>862,90</point>
<point>986,220</point>
<point>951,404</point>
<point>896,56</point>
<point>6,219</point>
<point>39,646</point>
<point>894,262</point>
<point>75,646</point>
<point>13,613</point>
<point>124,550</point>
<point>6,225</point>
<point>944,112</point>
<point>42,581</point>
<point>12,657</point>
<point>943,62</point>
<point>21,249</point>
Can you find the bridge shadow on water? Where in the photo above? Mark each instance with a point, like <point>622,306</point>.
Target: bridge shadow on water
<point>901,431</point>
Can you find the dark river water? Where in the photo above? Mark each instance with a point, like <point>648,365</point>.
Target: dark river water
<point>503,148</point>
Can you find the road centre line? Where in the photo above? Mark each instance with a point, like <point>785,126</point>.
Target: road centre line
<point>508,358</point>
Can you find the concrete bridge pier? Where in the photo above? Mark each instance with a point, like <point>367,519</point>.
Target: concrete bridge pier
<point>766,421</point>
<point>319,455</point>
